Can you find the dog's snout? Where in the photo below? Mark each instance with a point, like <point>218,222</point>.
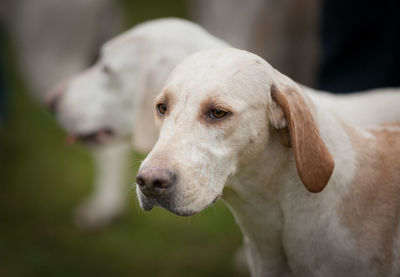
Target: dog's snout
<point>53,97</point>
<point>154,182</point>
<point>52,102</point>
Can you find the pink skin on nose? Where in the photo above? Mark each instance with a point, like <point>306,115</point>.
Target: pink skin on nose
<point>55,93</point>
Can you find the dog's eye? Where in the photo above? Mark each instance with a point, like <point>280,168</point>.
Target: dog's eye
<point>218,113</point>
<point>107,69</point>
<point>161,109</point>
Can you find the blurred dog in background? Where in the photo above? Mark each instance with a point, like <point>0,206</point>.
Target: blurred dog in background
<point>101,105</point>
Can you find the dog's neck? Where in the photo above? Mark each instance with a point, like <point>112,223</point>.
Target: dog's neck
<point>254,196</point>
<point>261,194</point>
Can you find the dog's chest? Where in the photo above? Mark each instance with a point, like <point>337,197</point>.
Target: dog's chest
<point>315,242</point>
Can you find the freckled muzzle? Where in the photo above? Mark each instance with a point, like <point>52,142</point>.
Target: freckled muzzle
<point>184,179</point>
<point>160,187</point>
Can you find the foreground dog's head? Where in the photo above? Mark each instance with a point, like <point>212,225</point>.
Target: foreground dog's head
<point>216,114</point>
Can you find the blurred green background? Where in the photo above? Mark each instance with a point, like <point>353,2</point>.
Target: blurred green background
<point>42,180</point>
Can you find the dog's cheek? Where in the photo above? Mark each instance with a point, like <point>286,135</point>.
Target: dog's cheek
<point>252,145</point>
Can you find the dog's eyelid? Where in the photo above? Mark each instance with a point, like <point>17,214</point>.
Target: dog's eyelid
<point>222,107</point>
<point>215,113</point>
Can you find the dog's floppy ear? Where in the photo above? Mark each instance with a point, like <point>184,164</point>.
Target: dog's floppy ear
<point>299,130</point>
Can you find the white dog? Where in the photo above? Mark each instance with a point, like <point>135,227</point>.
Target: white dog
<point>100,105</point>
<point>314,195</point>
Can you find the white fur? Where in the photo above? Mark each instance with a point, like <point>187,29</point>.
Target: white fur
<point>287,230</point>
<point>375,106</point>
<point>118,93</point>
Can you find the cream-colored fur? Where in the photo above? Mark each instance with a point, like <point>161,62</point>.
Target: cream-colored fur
<point>288,230</point>
<point>117,94</point>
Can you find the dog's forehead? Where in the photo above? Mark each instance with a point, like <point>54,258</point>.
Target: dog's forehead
<point>223,72</point>
<point>86,81</point>
<point>118,57</point>
<point>120,52</point>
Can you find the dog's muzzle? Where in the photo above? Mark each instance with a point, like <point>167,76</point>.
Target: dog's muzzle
<point>98,137</point>
<point>157,186</point>
<point>155,182</point>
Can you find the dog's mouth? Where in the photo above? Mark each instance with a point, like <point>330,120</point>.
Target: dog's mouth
<point>100,136</point>
<point>167,203</point>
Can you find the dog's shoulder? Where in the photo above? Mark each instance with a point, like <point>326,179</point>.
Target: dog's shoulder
<point>370,209</point>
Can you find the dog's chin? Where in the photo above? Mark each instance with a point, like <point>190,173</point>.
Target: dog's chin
<point>180,212</point>
<point>146,204</point>
<point>188,211</point>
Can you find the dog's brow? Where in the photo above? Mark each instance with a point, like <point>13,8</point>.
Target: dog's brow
<point>161,97</point>
<point>214,102</point>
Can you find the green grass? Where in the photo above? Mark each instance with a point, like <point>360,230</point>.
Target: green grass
<point>41,182</point>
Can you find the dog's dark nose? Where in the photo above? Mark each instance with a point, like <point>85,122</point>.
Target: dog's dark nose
<point>154,182</point>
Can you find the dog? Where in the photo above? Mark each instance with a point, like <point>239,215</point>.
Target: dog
<point>112,101</point>
<point>313,193</point>
<point>100,105</point>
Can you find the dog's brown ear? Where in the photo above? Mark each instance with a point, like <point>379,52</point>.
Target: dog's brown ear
<point>313,161</point>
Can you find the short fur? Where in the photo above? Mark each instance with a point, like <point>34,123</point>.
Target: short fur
<point>327,205</point>
<point>117,93</point>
